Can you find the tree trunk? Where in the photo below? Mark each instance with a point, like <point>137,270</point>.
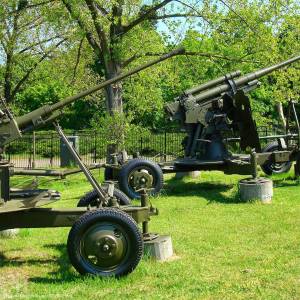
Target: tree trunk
<point>113,93</point>
<point>114,104</point>
<point>281,114</point>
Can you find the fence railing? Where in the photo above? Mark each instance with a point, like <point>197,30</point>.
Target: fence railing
<point>42,149</point>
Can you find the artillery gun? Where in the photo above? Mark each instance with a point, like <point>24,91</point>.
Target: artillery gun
<point>218,106</point>
<point>208,113</point>
<point>104,239</point>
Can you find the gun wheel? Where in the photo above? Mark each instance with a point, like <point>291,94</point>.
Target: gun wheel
<point>138,174</point>
<point>91,198</point>
<point>105,242</point>
<point>270,168</point>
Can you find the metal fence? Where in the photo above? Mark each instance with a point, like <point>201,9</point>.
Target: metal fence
<point>42,149</point>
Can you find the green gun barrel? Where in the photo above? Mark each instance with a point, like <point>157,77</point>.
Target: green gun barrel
<point>243,80</point>
<point>212,83</point>
<point>37,117</point>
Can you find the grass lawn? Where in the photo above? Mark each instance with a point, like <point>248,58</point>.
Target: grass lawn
<point>224,249</point>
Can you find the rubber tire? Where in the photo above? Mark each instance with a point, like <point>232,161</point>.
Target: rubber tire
<point>105,215</point>
<point>90,198</point>
<point>135,163</point>
<point>267,167</point>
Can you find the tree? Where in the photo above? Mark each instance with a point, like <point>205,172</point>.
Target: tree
<point>25,42</point>
<point>111,26</point>
<point>77,43</point>
<point>251,35</point>
<point>102,24</point>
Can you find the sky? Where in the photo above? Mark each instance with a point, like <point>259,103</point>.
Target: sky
<point>183,27</point>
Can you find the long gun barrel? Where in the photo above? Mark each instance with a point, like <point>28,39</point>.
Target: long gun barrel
<point>243,80</point>
<point>218,106</point>
<point>35,117</point>
<point>212,83</point>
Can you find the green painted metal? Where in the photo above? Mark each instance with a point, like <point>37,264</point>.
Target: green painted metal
<point>140,178</point>
<point>34,199</point>
<point>220,105</point>
<point>52,173</point>
<point>25,211</point>
<point>245,79</point>
<point>192,107</point>
<point>105,246</point>
<point>40,217</point>
<point>212,83</point>
<point>208,111</point>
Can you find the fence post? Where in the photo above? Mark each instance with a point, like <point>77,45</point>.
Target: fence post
<point>141,145</point>
<point>33,150</point>
<point>165,151</point>
<point>51,154</point>
<point>95,146</point>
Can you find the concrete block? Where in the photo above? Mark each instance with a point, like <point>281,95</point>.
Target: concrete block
<point>160,249</point>
<point>66,158</point>
<point>195,174</point>
<point>9,233</point>
<point>256,189</point>
<point>192,174</point>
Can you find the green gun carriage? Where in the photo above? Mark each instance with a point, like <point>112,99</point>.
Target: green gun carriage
<point>105,239</point>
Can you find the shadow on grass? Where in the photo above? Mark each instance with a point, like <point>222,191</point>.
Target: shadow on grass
<point>285,182</point>
<point>17,262</point>
<point>62,266</point>
<point>215,191</point>
<point>63,271</point>
<point>211,191</point>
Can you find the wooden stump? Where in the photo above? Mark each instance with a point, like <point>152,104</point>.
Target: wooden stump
<point>256,189</point>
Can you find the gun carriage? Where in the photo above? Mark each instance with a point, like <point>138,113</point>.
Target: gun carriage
<point>104,239</point>
<point>209,113</point>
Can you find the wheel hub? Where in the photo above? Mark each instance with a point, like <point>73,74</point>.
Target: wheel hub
<point>141,179</point>
<point>105,246</point>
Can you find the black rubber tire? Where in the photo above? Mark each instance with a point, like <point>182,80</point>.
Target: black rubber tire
<point>91,198</point>
<point>158,178</point>
<point>269,168</point>
<point>134,239</point>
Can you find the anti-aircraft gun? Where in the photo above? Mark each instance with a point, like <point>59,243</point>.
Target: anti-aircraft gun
<point>208,113</point>
<point>12,128</point>
<point>215,108</point>
<point>104,239</point>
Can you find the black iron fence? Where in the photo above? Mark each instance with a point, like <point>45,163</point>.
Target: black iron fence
<point>42,149</point>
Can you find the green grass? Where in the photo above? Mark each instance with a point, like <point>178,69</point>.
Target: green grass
<point>224,249</point>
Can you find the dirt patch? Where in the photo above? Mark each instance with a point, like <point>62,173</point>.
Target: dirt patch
<point>13,281</point>
<point>172,258</point>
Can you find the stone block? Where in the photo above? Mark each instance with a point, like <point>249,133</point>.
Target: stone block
<point>160,249</point>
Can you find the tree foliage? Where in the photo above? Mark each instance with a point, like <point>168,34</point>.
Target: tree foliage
<point>48,54</point>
